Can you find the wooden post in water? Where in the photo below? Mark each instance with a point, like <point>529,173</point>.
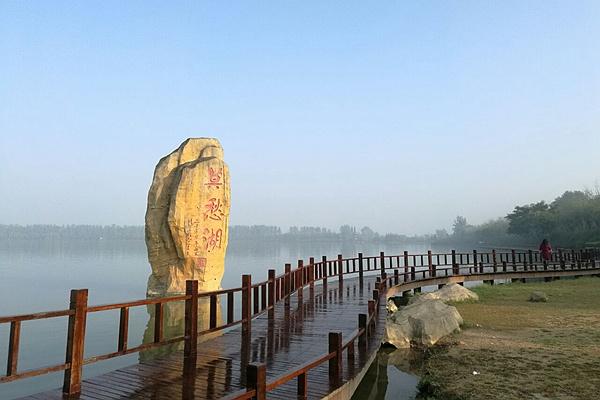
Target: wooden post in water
<point>190,346</point>
<point>256,379</point>
<point>75,342</point>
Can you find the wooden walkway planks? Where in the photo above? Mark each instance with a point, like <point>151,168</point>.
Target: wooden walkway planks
<point>297,334</point>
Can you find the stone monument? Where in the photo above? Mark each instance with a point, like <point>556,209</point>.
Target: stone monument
<point>187,218</point>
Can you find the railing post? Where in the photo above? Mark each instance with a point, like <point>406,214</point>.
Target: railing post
<point>190,346</point>
<point>213,312</point>
<point>256,379</point>
<point>434,271</point>
<point>335,363</point>
<point>475,260</point>
<point>360,268</point>
<point>362,324</point>
<point>123,329</point>
<point>271,294</point>
<point>75,342</point>
<point>396,277</point>
<point>494,260</point>
<point>246,304</point>
<point>453,257</point>
<point>340,271</point>
<point>430,263</point>
<point>287,280</point>
<point>300,280</point>
<point>302,392</point>
<point>530,253</point>
<point>13,348</point>
<point>382,262</point>
<point>514,259</point>
<point>405,266</point>
<point>311,272</point>
<point>371,311</point>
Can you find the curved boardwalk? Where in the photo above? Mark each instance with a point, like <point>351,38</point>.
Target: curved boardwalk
<point>297,334</point>
<point>308,333</point>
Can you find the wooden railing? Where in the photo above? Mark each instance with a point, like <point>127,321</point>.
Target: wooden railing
<point>263,296</point>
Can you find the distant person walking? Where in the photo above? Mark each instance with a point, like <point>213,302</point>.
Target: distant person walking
<point>546,251</point>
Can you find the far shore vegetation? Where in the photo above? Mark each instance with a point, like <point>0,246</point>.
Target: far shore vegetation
<point>511,348</point>
<point>571,220</point>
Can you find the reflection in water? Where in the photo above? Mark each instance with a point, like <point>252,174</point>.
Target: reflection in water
<point>393,375</point>
<point>174,326</point>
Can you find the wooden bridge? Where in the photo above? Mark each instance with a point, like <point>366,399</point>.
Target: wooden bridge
<point>310,332</point>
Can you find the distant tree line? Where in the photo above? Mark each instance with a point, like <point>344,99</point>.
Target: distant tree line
<point>346,233</point>
<point>71,232</point>
<point>571,220</point>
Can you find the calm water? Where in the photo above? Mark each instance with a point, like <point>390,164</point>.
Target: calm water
<point>38,277</point>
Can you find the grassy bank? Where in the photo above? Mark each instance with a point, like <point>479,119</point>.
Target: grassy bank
<point>522,350</point>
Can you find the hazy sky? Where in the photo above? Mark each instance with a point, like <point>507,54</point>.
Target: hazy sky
<point>397,115</point>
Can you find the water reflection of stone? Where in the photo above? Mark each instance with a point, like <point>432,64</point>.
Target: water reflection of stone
<point>174,326</point>
<point>393,375</point>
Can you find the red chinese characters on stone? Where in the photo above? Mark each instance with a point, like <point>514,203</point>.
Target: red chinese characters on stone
<point>214,177</point>
<point>200,267</point>
<point>211,239</point>
<point>212,210</point>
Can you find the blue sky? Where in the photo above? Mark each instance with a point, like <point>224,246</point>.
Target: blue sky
<point>395,115</point>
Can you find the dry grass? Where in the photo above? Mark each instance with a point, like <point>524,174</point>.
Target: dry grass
<point>523,350</point>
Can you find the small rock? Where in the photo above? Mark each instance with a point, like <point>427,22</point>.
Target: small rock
<point>475,373</point>
<point>391,306</point>
<point>538,297</point>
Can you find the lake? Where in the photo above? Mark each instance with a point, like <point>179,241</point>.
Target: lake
<point>37,276</point>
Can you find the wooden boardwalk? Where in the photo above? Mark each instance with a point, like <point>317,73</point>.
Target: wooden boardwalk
<point>297,334</point>
<point>306,333</point>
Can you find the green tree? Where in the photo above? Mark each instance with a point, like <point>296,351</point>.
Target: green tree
<point>533,221</point>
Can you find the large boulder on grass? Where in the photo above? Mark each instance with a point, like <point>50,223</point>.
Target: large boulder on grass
<point>421,323</point>
<point>449,293</point>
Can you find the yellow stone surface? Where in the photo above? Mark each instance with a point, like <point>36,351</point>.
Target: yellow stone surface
<point>187,218</point>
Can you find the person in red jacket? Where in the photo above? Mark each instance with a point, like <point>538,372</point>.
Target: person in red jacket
<point>546,250</point>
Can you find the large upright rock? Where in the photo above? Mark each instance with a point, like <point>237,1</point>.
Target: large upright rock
<point>187,218</point>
